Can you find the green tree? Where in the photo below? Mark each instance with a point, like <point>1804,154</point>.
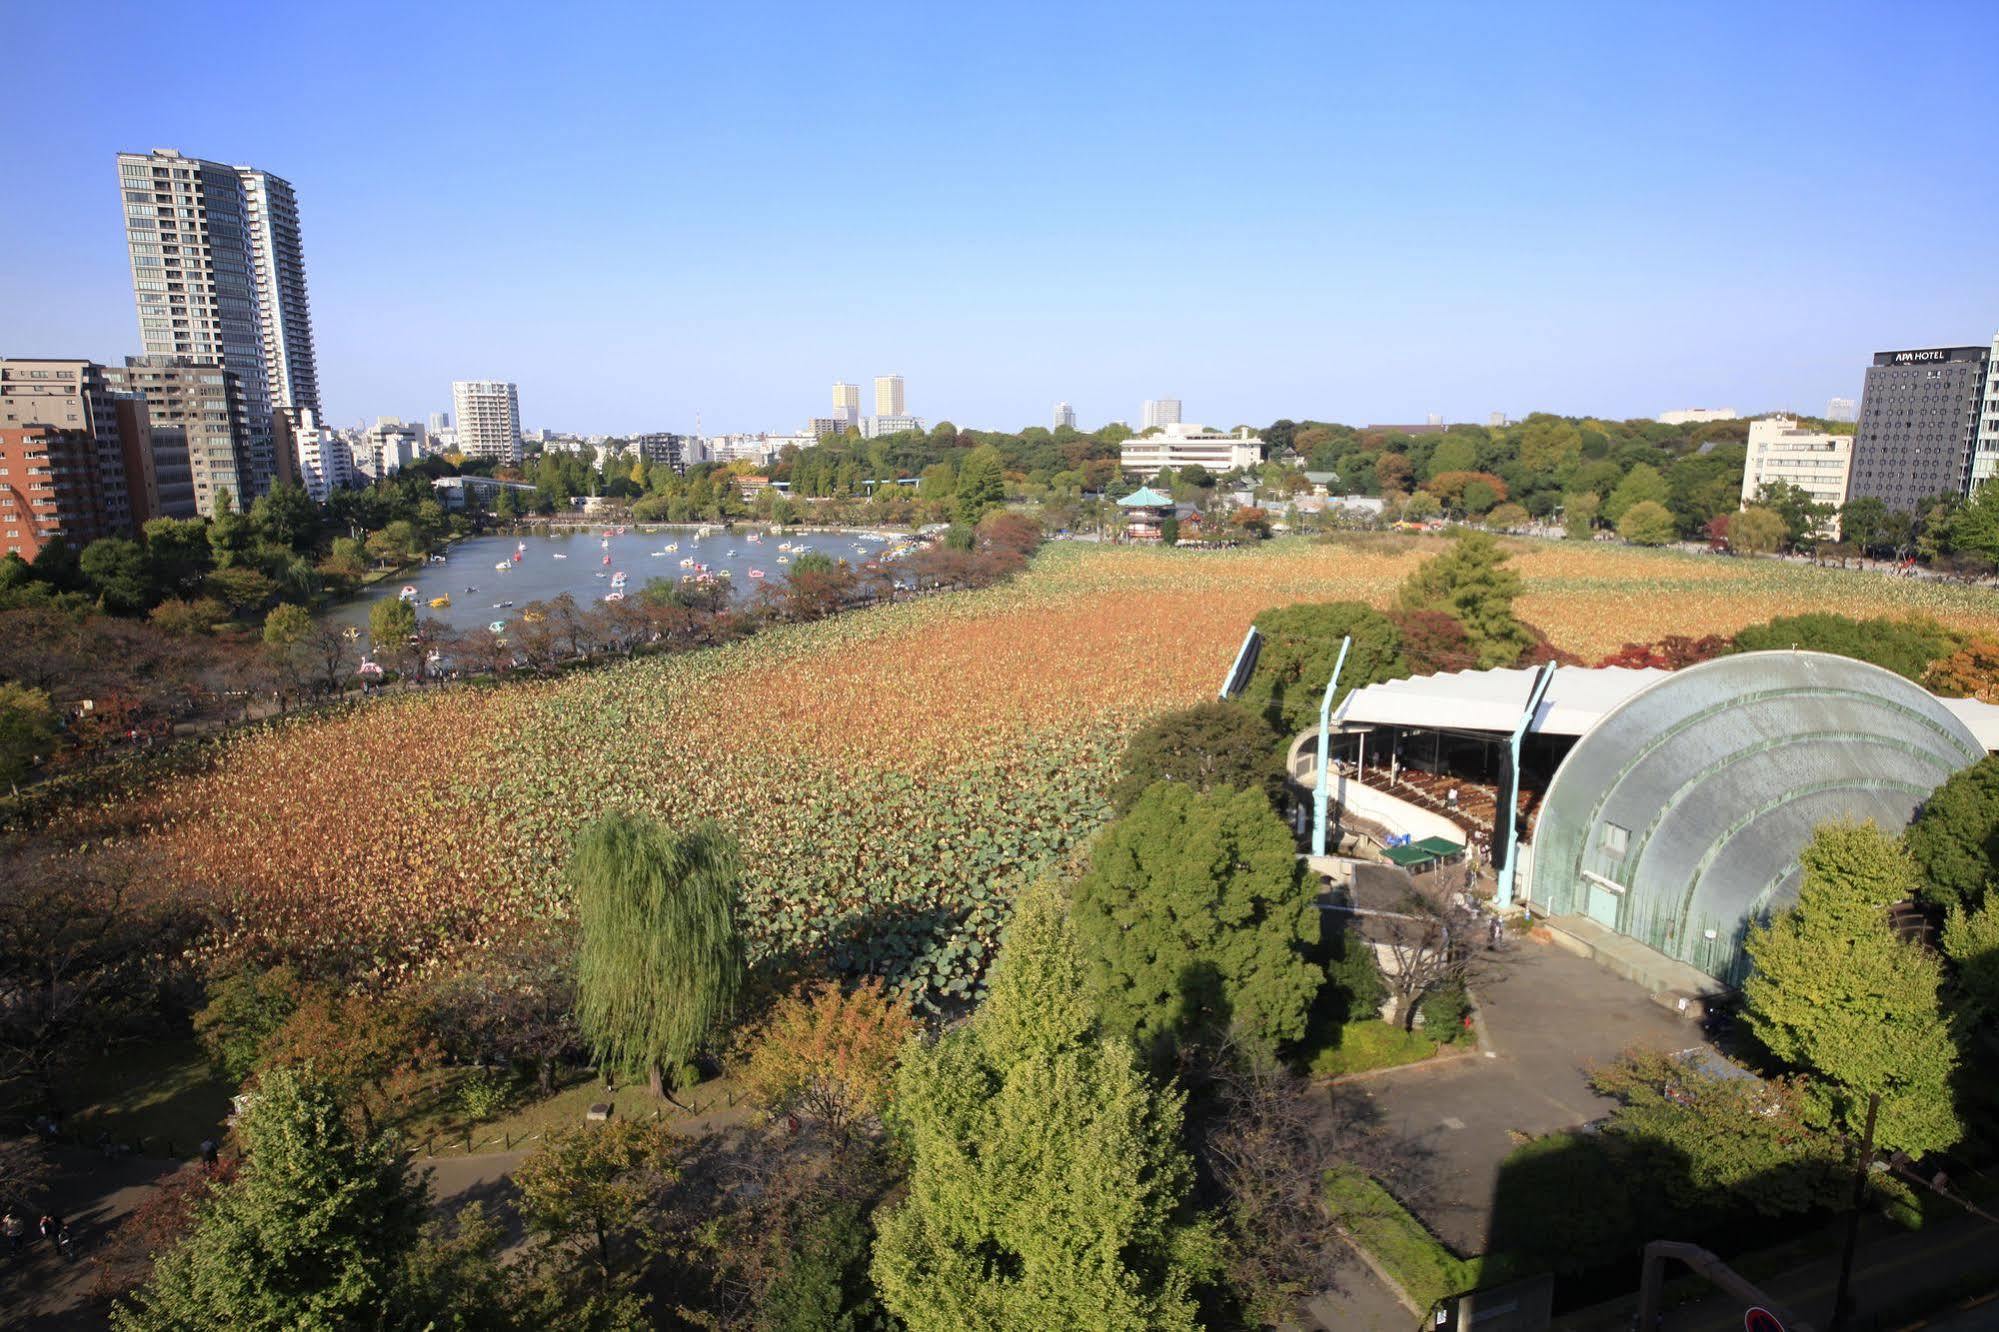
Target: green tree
<point>27,730</point>
<point>1422,507</point>
<point>286,516</point>
<point>1756,531</point>
<point>390,623</point>
<point>1837,994</point>
<point>242,588</point>
<point>1579,511</point>
<point>1047,1185</point>
<point>1194,921</point>
<point>1641,485</point>
<point>311,1233</point>
<point>1472,583</point>
<point>981,483</point>
<point>1300,645</point>
<point>286,626</point>
<point>1955,839</point>
<point>116,570</point>
<point>178,556</point>
<point>1209,747</point>
<point>585,1195</point>
<point>1906,646</point>
<point>1864,522</point>
<point>1803,516</point>
<point>247,1004</point>
<point>1647,524</point>
<point>661,959</point>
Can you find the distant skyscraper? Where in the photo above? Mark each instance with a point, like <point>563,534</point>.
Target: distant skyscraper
<point>438,421</point>
<point>489,418</point>
<point>1160,412</point>
<point>1839,409</point>
<point>219,273</point>
<point>846,403</point>
<point>1496,420</point>
<point>888,396</point>
<point>1065,415</point>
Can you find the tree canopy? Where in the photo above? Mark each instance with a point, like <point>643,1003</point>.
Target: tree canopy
<point>1047,1185</point>
<point>1300,645</point>
<point>661,958</point>
<point>1471,582</point>
<point>1905,646</point>
<point>1194,920</point>
<point>1210,746</point>
<point>1955,838</point>
<point>1837,994</point>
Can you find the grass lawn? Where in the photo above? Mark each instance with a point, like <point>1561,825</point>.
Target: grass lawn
<point>161,1092</point>
<point>438,1119</point>
<point>1356,1047</point>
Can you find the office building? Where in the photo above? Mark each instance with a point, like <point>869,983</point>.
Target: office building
<point>846,403</point>
<point>888,396</point>
<point>1178,446</point>
<point>1919,425</point>
<point>489,419</point>
<point>325,461</point>
<point>438,422</point>
<point>218,272</point>
<point>49,488</point>
<point>874,427</point>
<point>821,426</point>
<point>1496,421</point>
<point>1698,415</point>
<point>1065,417</point>
<point>1839,409</point>
<point>1160,412</point>
<point>387,447</point>
<point>1781,450</point>
<point>199,413</point>
<point>74,395</point>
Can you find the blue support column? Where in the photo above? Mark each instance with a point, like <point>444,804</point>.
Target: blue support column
<point>1322,790</point>
<point>1502,894</point>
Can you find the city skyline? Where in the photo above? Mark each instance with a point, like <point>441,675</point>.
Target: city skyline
<point>1503,227</point>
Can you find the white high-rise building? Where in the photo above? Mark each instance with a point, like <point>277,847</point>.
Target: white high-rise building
<point>325,464</point>
<point>1160,412</point>
<point>489,418</point>
<point>218,274</point>
<point>888,396</point>
<point>846,402</point>
<point>1839,409</point>
<point>1782,450</point>
<point>439,421</point>
<point>1698,415</point>
<point>1065,415</point>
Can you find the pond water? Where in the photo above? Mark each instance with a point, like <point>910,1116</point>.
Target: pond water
<point>576,563</point>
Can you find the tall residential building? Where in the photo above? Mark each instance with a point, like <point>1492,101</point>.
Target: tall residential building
<point>74,395</point>
<point>1782,450</point>
<point>1839,409</point>
<point>203,444</point>
<point>387,447</point>
<point>489,418</point>
<point>48,489</point>
<point>1919,431</point>
<point>438,423</point>
<point>1065,415</point>
<point>888,396</point>
<point>218,273</point>
<point>821,426</point>
<point>1985,457</point>
<point>325,462</point>
<point>1160,412</point>
<point>846,403</point>
<point>662,448</point>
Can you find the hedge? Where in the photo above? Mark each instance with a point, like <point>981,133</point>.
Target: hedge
<point>1416,1260</point>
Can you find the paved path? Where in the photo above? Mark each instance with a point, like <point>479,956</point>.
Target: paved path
<point>1548,1016</point>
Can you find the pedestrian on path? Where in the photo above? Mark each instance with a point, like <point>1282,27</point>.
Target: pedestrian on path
<point>15,1229</point>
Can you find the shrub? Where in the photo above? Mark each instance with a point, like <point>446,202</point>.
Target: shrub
<point>1905,646</point>
<point>1210,746</point>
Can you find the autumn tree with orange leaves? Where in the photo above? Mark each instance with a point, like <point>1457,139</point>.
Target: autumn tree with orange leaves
<point>829,1055</point>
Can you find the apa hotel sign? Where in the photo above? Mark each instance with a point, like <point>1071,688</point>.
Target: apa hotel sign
<point>1919,357</point>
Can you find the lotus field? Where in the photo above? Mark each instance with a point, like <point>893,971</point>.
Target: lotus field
<point>894,775</point>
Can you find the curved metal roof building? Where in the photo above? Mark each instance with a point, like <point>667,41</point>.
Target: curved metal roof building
<point>1678,816</point>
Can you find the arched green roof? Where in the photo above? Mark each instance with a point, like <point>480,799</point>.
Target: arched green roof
<point>1695,795</point>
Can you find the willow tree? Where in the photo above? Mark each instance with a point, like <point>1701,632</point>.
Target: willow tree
<point>661,959</point>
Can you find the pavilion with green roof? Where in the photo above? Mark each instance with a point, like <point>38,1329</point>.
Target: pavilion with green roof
<point>1145,512</point>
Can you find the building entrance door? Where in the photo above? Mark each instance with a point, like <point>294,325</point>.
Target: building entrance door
<point>1603,906</point>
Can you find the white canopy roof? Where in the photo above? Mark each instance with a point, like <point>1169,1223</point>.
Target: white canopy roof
<point>1576,700</point>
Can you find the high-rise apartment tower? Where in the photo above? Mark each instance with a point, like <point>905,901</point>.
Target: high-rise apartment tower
<point>846,403</point>
<point>218,273</point>
<point>1065,415</point>
<point>888,396</point>
<point>489,418</point>
<point>1160,412</point>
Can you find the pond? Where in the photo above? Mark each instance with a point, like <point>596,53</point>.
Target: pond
<point>583,564</point>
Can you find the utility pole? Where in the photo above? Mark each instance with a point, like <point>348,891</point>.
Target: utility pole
<point>1840,1310</point>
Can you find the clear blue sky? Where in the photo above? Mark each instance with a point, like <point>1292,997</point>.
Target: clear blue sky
<point>1350,212</point>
